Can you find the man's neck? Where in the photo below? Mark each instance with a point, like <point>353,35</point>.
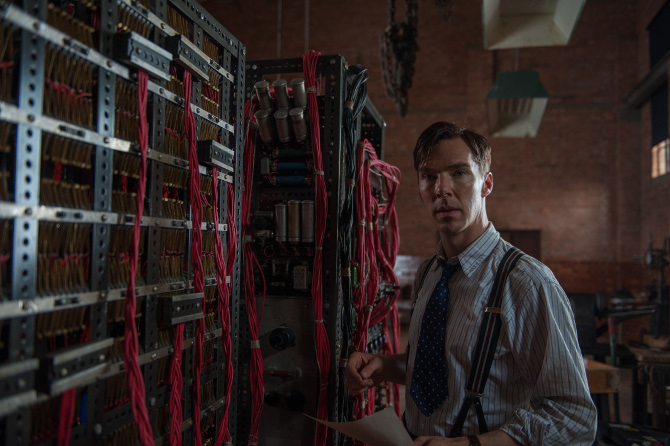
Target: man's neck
<point>454,244</point>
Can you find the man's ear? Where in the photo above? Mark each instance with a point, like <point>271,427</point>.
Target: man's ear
<point>487,185</point>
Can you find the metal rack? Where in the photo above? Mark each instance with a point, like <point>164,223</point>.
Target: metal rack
<point>36,363</point>
<point>286,332</point>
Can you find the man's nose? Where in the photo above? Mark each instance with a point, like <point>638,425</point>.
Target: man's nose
<point>443,187</point>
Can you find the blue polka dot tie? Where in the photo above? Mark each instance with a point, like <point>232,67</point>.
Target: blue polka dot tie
<point>429,378</point>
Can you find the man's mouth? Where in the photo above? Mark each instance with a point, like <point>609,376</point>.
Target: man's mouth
<point>446,211</point>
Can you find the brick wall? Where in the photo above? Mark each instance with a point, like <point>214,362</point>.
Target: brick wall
<point>583,181</point>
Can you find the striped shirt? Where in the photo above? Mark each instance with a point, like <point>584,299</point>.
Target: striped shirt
<point>537,390</point>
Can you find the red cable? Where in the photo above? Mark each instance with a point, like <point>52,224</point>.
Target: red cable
<point>223,434</point>
<point>196,248</point>
<point>176,389</point>
<point>66,413</point>
<point>310,60</point>
<point>375,254</point>
<point>130,348</point>
<point>256,378</point>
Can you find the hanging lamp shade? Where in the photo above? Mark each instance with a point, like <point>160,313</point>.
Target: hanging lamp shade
<point>524,23</point>
<point>516,104</point>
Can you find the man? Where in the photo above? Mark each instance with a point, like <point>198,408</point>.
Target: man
<point>536,393</point>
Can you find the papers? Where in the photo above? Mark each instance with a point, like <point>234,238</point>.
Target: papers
<point>379,429</point>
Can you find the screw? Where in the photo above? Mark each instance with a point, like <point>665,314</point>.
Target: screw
<point>103,217</point>
<point>28,211</point>
<point>63,372</point>
<point>101,358</point>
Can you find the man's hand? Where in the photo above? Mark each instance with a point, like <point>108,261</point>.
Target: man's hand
<point>364,370</point>
<point>437,441</point>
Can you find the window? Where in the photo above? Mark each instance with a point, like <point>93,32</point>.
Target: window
<point>660,161</point>
<point>659,46</point>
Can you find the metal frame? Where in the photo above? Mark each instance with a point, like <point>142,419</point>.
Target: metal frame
<point>24,307</point>
<point>333,71</point>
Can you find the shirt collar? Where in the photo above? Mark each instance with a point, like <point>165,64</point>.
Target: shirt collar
<point>476,253</point>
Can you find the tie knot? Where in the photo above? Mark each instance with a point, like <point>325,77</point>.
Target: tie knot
<point>448,269</point>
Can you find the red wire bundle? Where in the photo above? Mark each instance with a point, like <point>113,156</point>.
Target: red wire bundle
<point>223,292</point>
<point>195,198</point>
<point>176,389</point>
<point>373,249</point>
<point>256,381</point>
<point>66,413</point>
<point>130,347</point>
<point>309,61</point>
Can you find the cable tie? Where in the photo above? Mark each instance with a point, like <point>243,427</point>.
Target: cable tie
<point>318,172</point>
<point>350,182</point>
<point>311,89</point>
<point>346,272</point>
<point>247,239</point>
<point>369,308</point>
<point>228,443</point>
<point>255,344</point>
<point>362,404</point>
<point>362,223</point>
<point>349,105</point>
<point>318,321</point>
<point>370,226</point>
<point>323,387</point>
<point>319,248</point>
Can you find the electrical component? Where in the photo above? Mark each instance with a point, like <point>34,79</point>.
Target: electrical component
<point>97,224</point>
<point>281,222</point>
<point>282,338</point>
<point>188,55</point>
<point>298,123</point>
<point>293,221</point>
<point>215,154</point>
<point>299,93</point>
<point>281,122</point>
<point>135,50</point>
<point>264,126</point>
<point>281,95</point>
<point>262,89</point>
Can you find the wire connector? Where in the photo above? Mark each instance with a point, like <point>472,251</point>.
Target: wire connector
<point>349,105</point>
<point>318,172</point>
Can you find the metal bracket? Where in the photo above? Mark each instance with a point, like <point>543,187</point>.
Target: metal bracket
<point>216,155</point>
<point>74,367</point>
<point>134,49</point>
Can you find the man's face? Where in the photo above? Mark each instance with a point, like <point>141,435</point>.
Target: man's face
<point>453,190</point>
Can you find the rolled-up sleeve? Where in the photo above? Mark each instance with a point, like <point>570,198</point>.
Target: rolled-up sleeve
<point>543,340</point>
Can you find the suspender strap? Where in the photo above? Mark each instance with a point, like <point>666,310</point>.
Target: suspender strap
<point>487,341</point>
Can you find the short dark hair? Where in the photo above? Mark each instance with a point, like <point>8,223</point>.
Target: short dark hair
<point>479,145</point>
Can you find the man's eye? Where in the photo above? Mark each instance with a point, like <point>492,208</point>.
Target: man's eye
<point>428,176</point>
<point>459,173</point>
